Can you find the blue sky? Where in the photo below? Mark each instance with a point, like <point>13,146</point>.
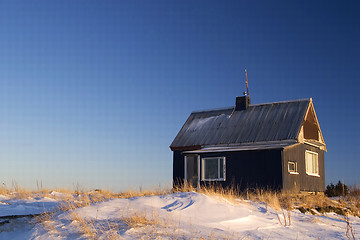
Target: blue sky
<point>93,92</point>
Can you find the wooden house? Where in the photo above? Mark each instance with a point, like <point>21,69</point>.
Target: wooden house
<point>273,145</point>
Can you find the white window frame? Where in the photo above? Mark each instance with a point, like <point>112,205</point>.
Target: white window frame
<point>185,168</point>
<point>309,168</point>
<point>295,166</point>
<point>203,163</point>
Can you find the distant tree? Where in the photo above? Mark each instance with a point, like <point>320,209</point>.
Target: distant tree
<point>340,189</point>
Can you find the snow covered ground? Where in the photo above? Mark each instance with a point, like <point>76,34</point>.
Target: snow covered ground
<point>186,215</point>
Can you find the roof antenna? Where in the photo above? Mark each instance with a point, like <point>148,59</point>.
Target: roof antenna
<point>245,93</point>
<point>247,85</point>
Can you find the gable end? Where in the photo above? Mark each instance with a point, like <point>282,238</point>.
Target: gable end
<point>310,132</point>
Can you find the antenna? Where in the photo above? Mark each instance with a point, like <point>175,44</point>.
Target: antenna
<point>247,85</point>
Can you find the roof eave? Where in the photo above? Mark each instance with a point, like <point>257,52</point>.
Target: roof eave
<point>186,148</point>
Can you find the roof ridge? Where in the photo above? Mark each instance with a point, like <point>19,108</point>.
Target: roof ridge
<point>251,105</point>
<point>286,101</point>
<point>213,110</point>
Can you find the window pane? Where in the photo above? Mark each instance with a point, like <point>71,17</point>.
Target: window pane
<point>312,163</point>
<point>307,161</point>
<point>221,167</point>
<point>211,168</point>
<point>292,167</point>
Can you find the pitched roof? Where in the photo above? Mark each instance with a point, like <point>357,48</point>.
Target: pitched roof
<point>246,147</point>
<point>258,123</point>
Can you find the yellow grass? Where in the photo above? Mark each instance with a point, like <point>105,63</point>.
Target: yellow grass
<point>4,191</point>
<point>85,226</point>
<point>281,202</point>
<point>230,194</point>
<point>276,200</point>
<point>141,219</point>
<point>48,223</point>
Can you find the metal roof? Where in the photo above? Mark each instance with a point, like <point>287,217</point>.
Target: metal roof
<point>258,123</point>
<point>244,147</point>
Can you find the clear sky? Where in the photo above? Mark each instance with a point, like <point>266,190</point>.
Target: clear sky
<point>92,93</point>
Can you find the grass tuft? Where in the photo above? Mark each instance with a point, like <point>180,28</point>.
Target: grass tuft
<point>150,223</point>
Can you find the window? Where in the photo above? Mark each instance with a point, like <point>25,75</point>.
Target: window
<point>213,169</point>
<point>292,168</point>
<point>312,163</point>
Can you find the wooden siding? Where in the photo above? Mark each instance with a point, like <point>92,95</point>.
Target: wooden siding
<point>245,169</point>
<point>302,181</point>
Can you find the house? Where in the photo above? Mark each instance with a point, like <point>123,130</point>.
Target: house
<point>273,145</point>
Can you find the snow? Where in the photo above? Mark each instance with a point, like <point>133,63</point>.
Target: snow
<point>179,215</point>
<point>200,122</point>
<point>27,206</point>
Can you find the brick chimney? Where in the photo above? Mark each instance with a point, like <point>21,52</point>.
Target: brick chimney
<point>242,103</point>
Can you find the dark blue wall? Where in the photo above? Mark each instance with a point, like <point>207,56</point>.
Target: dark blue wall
<point>178,168</point>
<point>246,169</point>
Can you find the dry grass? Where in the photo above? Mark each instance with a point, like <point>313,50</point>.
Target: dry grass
<point>277,200</point>
<point>151,223</point>
<point>282,202</point>
<point>354,192</point>
<point>350,233</point>
<point>18,192</point>
<point>4,191</point>
<point>141,193</point>
<point>230,194</point>
<point>84,225</point>
<point>92,229</point>
<point>48,223</point>
<point>141,219</point>
<point>353,199</point>
<point>148,224</point>
<point>109,231</point>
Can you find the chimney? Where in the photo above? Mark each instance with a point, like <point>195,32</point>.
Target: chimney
<point>242,103</point>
